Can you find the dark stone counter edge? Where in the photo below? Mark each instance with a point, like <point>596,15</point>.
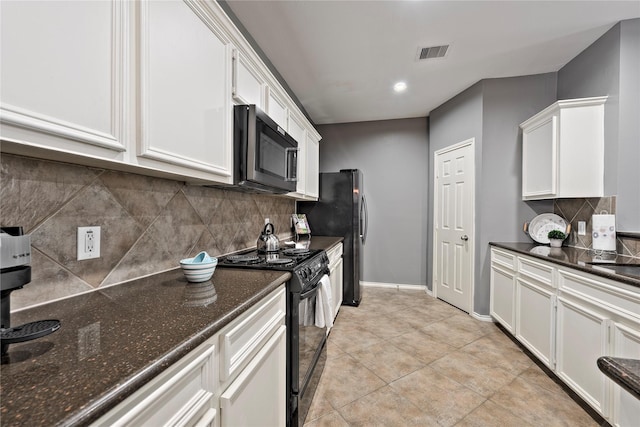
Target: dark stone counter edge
<point>624,372</point>
<point>97,408</point>
<point>586,268</point>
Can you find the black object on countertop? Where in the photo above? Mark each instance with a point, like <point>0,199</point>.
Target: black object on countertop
<point>12,278</point>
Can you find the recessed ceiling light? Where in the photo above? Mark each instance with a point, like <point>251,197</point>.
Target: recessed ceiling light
<point>400,87</point>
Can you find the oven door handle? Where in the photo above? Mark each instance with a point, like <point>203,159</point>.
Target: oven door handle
<point>310,292</point>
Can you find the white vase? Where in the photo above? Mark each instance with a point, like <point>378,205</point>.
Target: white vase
<point>555,243</point>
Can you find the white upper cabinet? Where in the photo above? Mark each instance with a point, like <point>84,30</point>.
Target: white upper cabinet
<point>185,108</point>
<point>298,132</point>
<point>248,84</point>
<point>312,175</point>
<point>143,86</point>
<point>563,150</point>
<point>277,108</point>
<point>64,76</point>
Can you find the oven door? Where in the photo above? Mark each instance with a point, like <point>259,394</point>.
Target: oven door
<point>311,340</point>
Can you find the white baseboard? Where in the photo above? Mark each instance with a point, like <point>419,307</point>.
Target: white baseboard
<point>396,286</point>
<point>482,317</point>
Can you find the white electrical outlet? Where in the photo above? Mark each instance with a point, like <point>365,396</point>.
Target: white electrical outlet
<point>88,243</point>
<point>582,228</point>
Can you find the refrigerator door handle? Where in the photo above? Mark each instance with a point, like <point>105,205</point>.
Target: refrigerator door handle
<point>364,214</point>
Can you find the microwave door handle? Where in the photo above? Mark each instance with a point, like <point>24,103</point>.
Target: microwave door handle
<point>290,161</point>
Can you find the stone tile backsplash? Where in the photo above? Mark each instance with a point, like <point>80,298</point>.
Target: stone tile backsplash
<point>147,224</point>
<point>574,210</point>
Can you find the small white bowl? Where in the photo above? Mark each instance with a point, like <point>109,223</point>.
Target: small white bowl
<point>199,275</point>
<point>201,270</point>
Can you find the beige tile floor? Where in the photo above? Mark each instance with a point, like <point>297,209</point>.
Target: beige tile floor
<point>404,358</point>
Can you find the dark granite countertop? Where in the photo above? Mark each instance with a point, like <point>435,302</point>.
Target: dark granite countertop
<point>578,259</point>
<point>114,340</point>
<point>625,372</point>
<point>324,242</point>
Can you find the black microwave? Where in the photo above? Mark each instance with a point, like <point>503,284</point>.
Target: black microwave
<point>266,157</point>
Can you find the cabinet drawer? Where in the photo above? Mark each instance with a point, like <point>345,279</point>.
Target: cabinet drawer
<point>504,259</point>
<point>535,270</point>
<point>181,394</point>
<point>250,332</point>
<point>608,294</point>
<point>334,254</point>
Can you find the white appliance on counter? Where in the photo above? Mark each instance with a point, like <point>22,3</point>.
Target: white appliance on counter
<point>603,232</point>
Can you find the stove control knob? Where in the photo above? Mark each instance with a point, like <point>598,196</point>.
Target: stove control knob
<point>303,273</point>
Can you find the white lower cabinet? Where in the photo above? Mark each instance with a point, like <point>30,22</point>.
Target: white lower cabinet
<point>626,342</point>
<point>337,275</point>
<point>257,397</point>
<point>568,319</point>
<point>503,289</point>
<point>535,319</point>
<point>582,339</point>
<point>192,392</point>
<point>182,395</point>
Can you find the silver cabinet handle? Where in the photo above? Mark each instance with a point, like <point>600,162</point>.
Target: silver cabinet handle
<point>464,237</point>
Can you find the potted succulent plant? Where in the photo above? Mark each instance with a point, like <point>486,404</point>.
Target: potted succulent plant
<point>556,237</point>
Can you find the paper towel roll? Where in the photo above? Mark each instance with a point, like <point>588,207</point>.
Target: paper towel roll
<point>604,232</point>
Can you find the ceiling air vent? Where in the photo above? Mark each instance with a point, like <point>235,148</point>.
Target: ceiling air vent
<point>433,52</point>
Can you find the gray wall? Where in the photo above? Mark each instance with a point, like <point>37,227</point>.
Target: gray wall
<point>392,155</point>
<point>491,111</point>
<point>611,66</point>
<point>628,200</point>
<point>500,212</point>
<point>457,120</point>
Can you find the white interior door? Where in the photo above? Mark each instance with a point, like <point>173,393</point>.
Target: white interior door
<point>453,225</point>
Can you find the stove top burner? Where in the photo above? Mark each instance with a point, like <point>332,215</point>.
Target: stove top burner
<point>248,259</point>
<point>297,251</point>
<point>279,261</point>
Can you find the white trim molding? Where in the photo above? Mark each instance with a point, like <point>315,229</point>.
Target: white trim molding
<point>482,317</point>
<point>397,286</point>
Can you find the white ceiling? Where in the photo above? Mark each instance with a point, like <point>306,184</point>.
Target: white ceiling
<point>341,58</point>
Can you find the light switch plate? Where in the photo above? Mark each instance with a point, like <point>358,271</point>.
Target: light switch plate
<point>582,228</point>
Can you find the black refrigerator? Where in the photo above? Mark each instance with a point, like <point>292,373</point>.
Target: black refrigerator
<point>342,211</point>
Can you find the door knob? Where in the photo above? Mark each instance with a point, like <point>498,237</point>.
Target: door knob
<point>464,237</point>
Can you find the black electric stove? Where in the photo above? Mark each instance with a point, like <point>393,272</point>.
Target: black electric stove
<point>284,259</point>
<point>306,349</point>
<point>306,265</point>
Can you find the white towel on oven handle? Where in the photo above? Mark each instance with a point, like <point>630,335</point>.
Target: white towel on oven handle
<point>324,303</point>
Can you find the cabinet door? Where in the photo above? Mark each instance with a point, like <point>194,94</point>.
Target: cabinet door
<point>298,132</point>
<point>313,166</point>
<point>257,397</point>
<point>185,89</point>
<point>64,75</point>
<point>503,287</point>
<point>248,84</point>
<point>184,394</point>
<point>535,319</point>
<point>539,159</point>
<point>582,338</point>
<point>626,343</point>
<point>337,275</point>
<point>277,109</point>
